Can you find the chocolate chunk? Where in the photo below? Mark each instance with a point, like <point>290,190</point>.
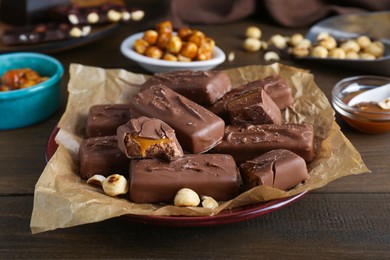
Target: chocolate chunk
<point>281,169</point>
<point>202,87</point>
<point>275,86</point>
<point>106,118</point>
<point>101,155</point>
<point>155,180</point>
<point>246,142</point>
<point>197,129</point>
<point>145,137</point>
<point>253,107</point>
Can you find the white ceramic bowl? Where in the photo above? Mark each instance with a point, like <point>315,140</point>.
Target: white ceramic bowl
<point>155,65</point>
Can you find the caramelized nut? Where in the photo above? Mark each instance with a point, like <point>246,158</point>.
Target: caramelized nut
<point>184,33</point>
<point>197,37</point>
<point>154,52</point>
<point>163,40</point>
<point>174,44</point>
<point>169,57</point>
<point>140,46</point>
<point>189,50</point>
<point>150,36</point>
<point>164,27</point>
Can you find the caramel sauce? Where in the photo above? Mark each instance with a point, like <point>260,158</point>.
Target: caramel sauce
<point>145,143</point>
<point>370,118</point>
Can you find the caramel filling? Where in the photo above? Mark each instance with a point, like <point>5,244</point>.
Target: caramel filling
<point>145,143</point>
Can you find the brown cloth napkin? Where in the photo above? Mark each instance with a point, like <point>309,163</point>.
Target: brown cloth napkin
<point>289,13</point>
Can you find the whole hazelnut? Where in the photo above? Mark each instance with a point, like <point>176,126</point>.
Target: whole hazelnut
<point>319,52</point>
<point>253,32</point>
<point>375,48</point>
<point>278,41</point>
<point>252,44</point>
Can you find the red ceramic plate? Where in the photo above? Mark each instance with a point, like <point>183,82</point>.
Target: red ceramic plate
<point>224,217</point>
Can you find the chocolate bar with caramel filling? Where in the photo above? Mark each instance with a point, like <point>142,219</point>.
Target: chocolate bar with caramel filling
<point>253,107</point>
<point>197,129</point>
<point>101,155</point>
<point>247,142</point>
<point>281,169</point>
<point>275,86</point>
<point>145,137</point>
<point>104,119</point>
<point>202,87</point>
<point>155,180</point>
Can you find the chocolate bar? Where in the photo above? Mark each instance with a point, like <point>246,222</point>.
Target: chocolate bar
<point>246,142</point>
<point>202,87</point>
<point>42,33</point>
<point>104,119</point>
<point>275,86</point>
<point>253,107</point>
<point>145,137</point>
<point>156,180</point>
<point>197,129</point>
<point>281,169</point>
<point>101,155</point>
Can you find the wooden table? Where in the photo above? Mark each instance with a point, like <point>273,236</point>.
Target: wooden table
<point>349,218</point>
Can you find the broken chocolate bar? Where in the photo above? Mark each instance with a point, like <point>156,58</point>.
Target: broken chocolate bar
<point>145,137</point>
<point>275,86</point>
<point>104,119</point>
<point>156,180</point>
<point>253,107</point>
<point>246,142</point>
<point>101,155</point>
<point>281,169</point>
<point>202,87</point>
<point>197,129</point>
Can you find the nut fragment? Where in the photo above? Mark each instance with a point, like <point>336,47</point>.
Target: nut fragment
<point>115,184</point>
<point>231,56</point>
<point>252,44</point>
<point>209,202</point>
<point>271,55</point>
<point>385,104</point>
<point>253,32</point>
<point>97,179</point>
<point>186,198</point>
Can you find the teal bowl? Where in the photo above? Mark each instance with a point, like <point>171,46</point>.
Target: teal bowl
<point>24,107</point>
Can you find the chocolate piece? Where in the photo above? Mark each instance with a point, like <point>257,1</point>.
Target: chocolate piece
<point>275,86</point>
<point>253,107</point>
<point>101,155</point>
<point>106,118</point>
<point>246,142</point>
<point>145,137</point>
<point>202,87</point>
<point>155,180</point>
<point>197,129</point>
<point>281,169</point>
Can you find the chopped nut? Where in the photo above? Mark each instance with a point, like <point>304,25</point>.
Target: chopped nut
<point>97,179</point>
<point>253,32</point>
<point>186,198</point>
<point>278,41</point>
<point>319,52</point>
<point>209,202</point>
<point>385,104</point>
<point>271,55</point>
<point>115,185</point>
<point>375,48</point>
<point>337,53</point>
<point>252,44</point>
<point>231,56</point>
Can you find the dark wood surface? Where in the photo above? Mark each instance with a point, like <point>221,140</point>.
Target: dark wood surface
<point>349,218</point>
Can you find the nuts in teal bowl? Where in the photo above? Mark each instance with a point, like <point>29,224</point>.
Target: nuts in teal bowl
<point>27,106</point>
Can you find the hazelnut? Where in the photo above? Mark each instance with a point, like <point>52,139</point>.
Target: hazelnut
<point>278,41</point>
<point>125,16</point>
<point>137,15</point>
<point>115,185</point>
<point>209,202</point>
<point>363,41</point>
<point>93,18</point>
<point>350,45</point>
<point>183,58</point>
<point>231,56</point>
<point>186,198</point>
<point>319,52</point>
<point>305,43</point>
<point>76,32</point>
<point>252,44</point>
<point>323,35</point>
<point>189,50</point>
<point>197,37</point>
<point>295,39</point>
<point>169,57</point>
<point>97,179</point>
<point>329,43</point>
<point>184,33</point>
<point>367,56</point>
<point>140,46</point>
<point>174,44</point>
<point>164,27</point>
<point>375,48</point>
<point>153,52</point>
<point>114,16</point>
<point>337,53</point>
<point>271,56</point>
<point>253,32</point>
<point>351,55</point>
<point>150,36</point>
<point>300,52</point>
<point>73,19</point>
<point>385,104</point>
